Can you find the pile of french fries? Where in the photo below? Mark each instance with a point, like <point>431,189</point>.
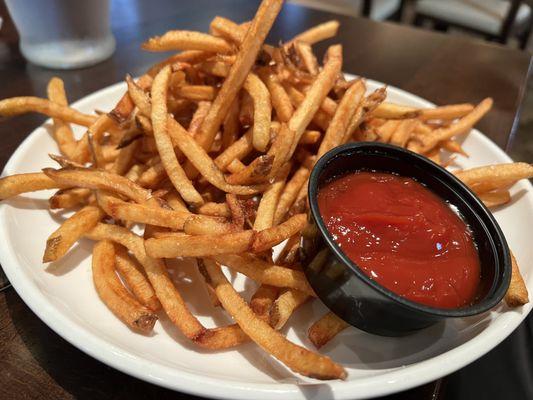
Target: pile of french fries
<point>210,150</point>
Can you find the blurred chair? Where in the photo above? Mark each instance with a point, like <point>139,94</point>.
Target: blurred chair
<point>496,20</point>
<point>379,10</point>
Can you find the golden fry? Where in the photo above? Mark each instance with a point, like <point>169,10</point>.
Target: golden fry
<point>517,294</point>
<point>14,185</point>
<point>285,305</point>
<point>325,329</point>
<point>317,33</point>
<point>187,40</point>
<point>268,238</point>
<point>262,111</point>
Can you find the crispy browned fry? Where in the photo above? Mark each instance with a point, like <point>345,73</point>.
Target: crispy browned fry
<point>196,92</point>
<point>164,144</point>
<point>256,172</point>
<point>14,185</point>
<point>201,160</point>
<point>205,225</point>
<point>320,119</point>
<point>264,217</point>
<point>70,231</point>
<point>495,199</point>
<point>130,271</point>
<point>266,273</point>
<point>463,125</point>
<point>62,132</point>
<point>280,149</point>
<point>215,209</point>
<point>342,117</point>
<point>492,177</point>
<point>235,166</point>
<point>21,105</point>
<point>315,95</point>
<point>262,111</point>
<point>386,130</point>
<point>295,357</point>
<point>268,238</point>
<point>259,28</point>
<point>69,198</point>
<point>152,176</point>
<point>168,295</point>
<point>517,294</point>
<point>139,97</point>
<point>96,179</point>
<point>290,252</point>
<point>262,301</point>
<point>198,117</point>
<point>231,125</point>
<point>285,305</point>
<point>187,40</point>
<point>199,246</point>
<point>403,132</point>
<point>318,33</point>
<point>451,111</point>
<point>89,144</point>
<point>121,210</point>
<point>238,150</point>
<point>215,302</point>
<point>325,329</point>
<point>113,293</point>
<point>236,210</point>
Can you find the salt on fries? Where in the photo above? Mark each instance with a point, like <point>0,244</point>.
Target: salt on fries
<point>211,151</point>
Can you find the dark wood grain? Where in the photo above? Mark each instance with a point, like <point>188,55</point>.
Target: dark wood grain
<point>34,361</point>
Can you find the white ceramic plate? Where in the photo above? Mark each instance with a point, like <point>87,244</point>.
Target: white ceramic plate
<point>63,296</point>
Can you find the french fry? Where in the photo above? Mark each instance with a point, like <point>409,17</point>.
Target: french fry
<point>70,231</point>
<point>268,238</point>
<point>204,225</point>
<point>168,295</point>
<point>293,356</point>
<point>22,105</point>
<point>13,185</point>
<point>164,144</point>
<point>463,125</point>
<point>230,126</point>
<point>290,192</point>
<point>62,132</point>
<point>325,329</point>
<point>495,199</point>
<point>266,273</point>
<point>238,150</point>
<point>262,111</point>
<point>122,210</point>
<point>448,112</point>
<point>114,295</point>
<point>196,92</point>
<point>130,271</point>
<point>259,28</point>
<point>318,33</point>
<point>139,97</point>
<point>198,117</point>
<point>262,301</point>
<point>285,305</point>
<point>200,246</point>
<point>492,177</point>
<point>95,179</point>
<point>258,171</point>
<point>69,198</point>
<point>215,209</point>
<point>517,294</point>
<point>308,58</point>
<point>236,211</point>
<point>201,160</point>
<point>403,132</point>
<point>228,29</point>
<point>267,206</point>
<point>187,40</point>
<point>235,166</point>
<point>316,95</point>
<point>342,118</point>
<point>394,111</point>
<point>281,101</point>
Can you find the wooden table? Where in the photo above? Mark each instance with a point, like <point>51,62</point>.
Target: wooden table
<point>37,363</point>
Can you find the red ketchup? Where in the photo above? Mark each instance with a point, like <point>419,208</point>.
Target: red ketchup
<point>402,236</point>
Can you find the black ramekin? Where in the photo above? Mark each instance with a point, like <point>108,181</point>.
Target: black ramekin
<point>349,292</point>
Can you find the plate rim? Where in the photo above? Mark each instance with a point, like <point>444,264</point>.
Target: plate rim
<point>188,382</point>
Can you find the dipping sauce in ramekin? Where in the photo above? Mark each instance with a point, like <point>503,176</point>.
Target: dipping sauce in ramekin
<point>403,236</point>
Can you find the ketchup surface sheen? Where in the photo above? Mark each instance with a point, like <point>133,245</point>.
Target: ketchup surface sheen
<point>403,236</point>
